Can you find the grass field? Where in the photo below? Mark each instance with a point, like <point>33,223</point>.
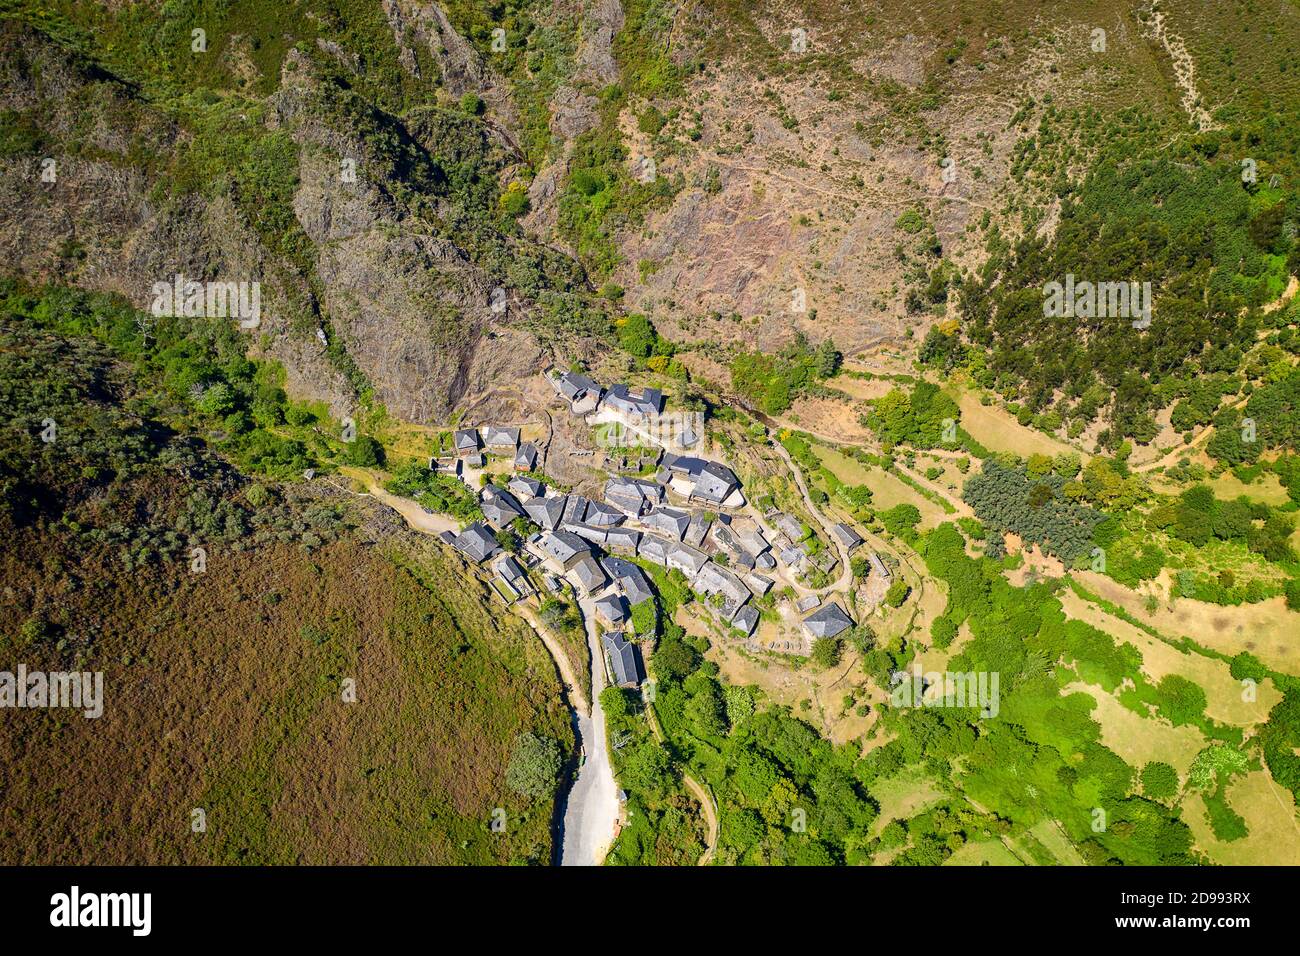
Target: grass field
<point>1140,740</point>
<point>886,490</point>
<point>1270,815</point>
<point>1265,629</point>
<point>903,796</point>
<point>224,692</point>
<point>1225,701</point>
<point>989,852</point>
<point>997,429</point>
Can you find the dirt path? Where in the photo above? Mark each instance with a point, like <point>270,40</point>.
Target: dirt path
<point>1184,70</point>
<point>846,573</point>
<point>415,516</point>
<point>697,791</point>
<point>710,817</point>
<point>961,509</point>
<point>562,662</point>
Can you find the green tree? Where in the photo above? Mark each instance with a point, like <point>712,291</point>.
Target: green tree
<point>1159,780</point>
<point>826,652</point>
<point>365,452</point>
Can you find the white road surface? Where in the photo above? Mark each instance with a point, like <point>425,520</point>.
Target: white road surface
<point>591,814</point>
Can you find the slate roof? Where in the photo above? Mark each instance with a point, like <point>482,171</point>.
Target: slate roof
<point>525,488</point>
<point>624,661</point>
<point>847,536</point>
<point>714,481</point>
<point>588,573</point>
<point>746,619</point>
<point>788,526</point>
<point>697,529</point>
<point>633,495</point>
<point>715,579</point>
<point>827,621</point>
<point>510,569</point>
<point>574,386</point>
<point>686,559</point>
<point>621,398</point>
<point>546,512</point>
<point>603,515</point>
<point>465,440</point>
<point>494,437</point>
<point>668,521</point>
<point>879,566</point>
<point>589,532</point>
<point>476,542</point>
<point>564,545</point>
<point>526,456</point>
<point>622,539</point>
<point>575,509</point>
<point>499,506</point>
<point>613,608</point>
<point>630,578</point>
<point>654,548</point>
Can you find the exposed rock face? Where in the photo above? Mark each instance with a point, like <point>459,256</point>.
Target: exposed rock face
<point>407,304</point>
<point>573,108</point>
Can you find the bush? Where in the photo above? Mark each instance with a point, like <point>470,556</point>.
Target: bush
<point>826,652</point>
<point>1159,780</point>
<point>534,765</point>
<point>365,452</point>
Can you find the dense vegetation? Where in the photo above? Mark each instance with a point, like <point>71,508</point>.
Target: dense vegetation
<point>1035,508</point>
<point>770,382</point>
<point>131,545</point>
<point>1212,247</point>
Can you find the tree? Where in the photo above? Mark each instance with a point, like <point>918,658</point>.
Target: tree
<point>365,452</point>
<point>534,765</point>
<point>615,702</point>
<point>1159,780</point>
<point>897,593</point>
<point>647,769</point>
<point>826,652</point>
<point>637,336</point>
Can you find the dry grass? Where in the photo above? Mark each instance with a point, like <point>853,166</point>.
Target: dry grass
<point>215,699</point>
<point>1223,692</point>
<point>1270,815</point>
<point>1265,629</point>
<point>1140,740</point>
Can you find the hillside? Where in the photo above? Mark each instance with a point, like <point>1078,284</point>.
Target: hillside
<point>981,317</point>
<point>226,616</point>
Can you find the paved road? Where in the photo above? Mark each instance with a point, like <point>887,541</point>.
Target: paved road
<point>591,812</point>
<point>591,808</point>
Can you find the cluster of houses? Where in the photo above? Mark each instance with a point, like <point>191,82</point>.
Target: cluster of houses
<point>591,543</point>
<point>470,445</point>
<point>585,396</point>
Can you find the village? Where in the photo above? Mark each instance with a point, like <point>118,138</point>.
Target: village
<point>687,515</point>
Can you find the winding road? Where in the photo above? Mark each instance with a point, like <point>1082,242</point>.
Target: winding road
<point>846,574</point>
